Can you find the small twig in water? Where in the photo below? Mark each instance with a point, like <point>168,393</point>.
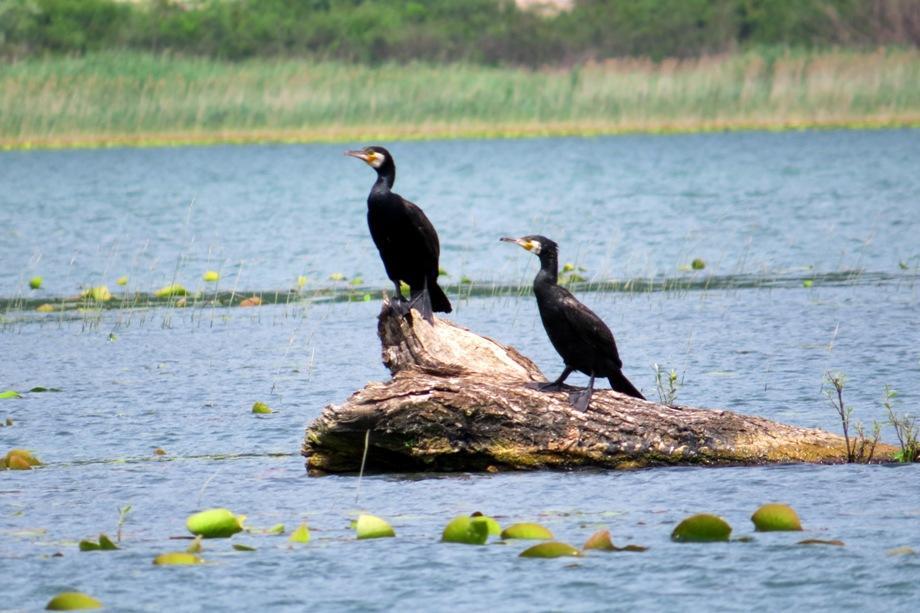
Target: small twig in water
<point>367,440</point>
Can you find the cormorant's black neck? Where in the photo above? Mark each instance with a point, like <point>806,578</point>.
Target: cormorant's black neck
<point>386,176</point>
<point>549,266</point>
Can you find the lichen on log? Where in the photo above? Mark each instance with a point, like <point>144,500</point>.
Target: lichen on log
<point>458,401</point>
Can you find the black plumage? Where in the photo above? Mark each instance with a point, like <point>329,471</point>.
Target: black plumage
<point>407,242</point>
<point>582,339</point>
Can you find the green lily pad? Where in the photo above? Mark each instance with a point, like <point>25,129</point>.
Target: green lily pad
<point>173,289</point>
<point>697,264</point>
<point>10,394</point>
<point>20,459</point>
<point>35,282</point>
<point>211,276</point>
<point>100,293</point>
<point>122,280</point>
<point>72,601</point>
<point>835,542</point>
<point>177,558</point>
<point>215,523</point>
<point>776,518</point>
<point>40,388</point>
<point>372,527</point>
<point>465,529</point>
<point>261,408</point>
<point>104,544</point>
<point>494,528</point>
<point>702,528</point>
<point>550,549</point>
<point>527,531</point>
<point>45,308</point>
<point>240,547</point>
<point>301,534</point>
<point>600,540</point>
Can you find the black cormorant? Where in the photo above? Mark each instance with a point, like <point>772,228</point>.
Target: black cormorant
<point>584,341</point>
<point>407,241</point>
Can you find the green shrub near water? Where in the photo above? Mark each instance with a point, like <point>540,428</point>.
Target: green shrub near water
<point>478,31</point>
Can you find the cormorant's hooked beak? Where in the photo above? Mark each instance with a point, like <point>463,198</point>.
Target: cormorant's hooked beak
<point>528,245</point>
<point>361,155</point>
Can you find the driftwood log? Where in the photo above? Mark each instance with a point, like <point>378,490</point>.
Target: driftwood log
<point>458,401</point>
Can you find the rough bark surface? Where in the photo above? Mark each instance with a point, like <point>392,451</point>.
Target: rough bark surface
<point>462,402</point>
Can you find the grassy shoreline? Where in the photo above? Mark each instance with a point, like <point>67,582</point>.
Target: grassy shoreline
<point>137,99</point>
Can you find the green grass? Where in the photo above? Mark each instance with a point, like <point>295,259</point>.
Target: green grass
<point>135,98</point>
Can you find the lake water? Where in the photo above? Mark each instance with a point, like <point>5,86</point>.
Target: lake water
<point>812,250</point>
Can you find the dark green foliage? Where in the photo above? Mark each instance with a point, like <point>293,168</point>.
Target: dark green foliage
<point>482,31</point>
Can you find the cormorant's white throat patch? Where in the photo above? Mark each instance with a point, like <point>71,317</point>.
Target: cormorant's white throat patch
<point>535,246</point>
<point>377,159</point>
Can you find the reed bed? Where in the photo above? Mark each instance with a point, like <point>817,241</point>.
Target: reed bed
<point>135,98</point>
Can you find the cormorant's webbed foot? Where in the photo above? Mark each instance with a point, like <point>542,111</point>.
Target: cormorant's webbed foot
<point>583,399</point>
<point>556,385</point>
<point>422,303</point>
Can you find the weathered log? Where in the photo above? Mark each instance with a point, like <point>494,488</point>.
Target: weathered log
<point>460,401</point>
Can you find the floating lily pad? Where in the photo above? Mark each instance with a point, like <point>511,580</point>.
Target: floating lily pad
<point>10,394</point>
<point>100,293</point>
<point>468,530</point>
<point>177,558</point>
<point>336,276</point>
<point>211,276</point>
<point>20,459</point>
<point>702,528</point>
<point>72,601</point>
<point>371,527</point>
<point>103,544</point>
<point>39,389</point>
<point>697,264</point>
<point>494,528</point>
<point>834,542</point>
<point>261,408</point>
<point>240,547</point>
<point>776,518</point>
<point>173,289</point>
<point>276,529</point>
<point>215,523</point>
<point>35,282</point>
<point>122,280</point>
<point>600,540</point>
<point>807,283</point>
<point>45,308</point>
<point>527,531</point>
<point>301,534</point>
<point>551,549</point>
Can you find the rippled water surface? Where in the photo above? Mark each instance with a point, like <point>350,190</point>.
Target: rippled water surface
<point>812,248</point>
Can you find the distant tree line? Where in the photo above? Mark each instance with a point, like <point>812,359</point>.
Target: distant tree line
<point>480,31</point>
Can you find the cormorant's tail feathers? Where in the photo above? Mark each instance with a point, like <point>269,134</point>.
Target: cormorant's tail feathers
<point>620,383</point>
<point>439,301</point>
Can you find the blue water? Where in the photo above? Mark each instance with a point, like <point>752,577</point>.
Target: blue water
<point>801,205</point>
